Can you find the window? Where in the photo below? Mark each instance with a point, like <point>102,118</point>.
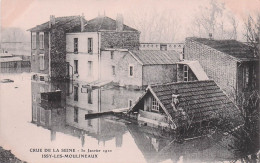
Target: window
<point>163,47</point>
<point>76,93</point>
<point>185,73</point>
<point>41,36</point>
<point>90,94</point>
<point>90,68</point>
<point>34,113</point>
<point>245,76</point>
<point>89,120</point>
<point>112,54</point>
<point>113,70</point>
<point>90,45</point>
<point>75,66</point>
<point>41,61</point>
<point>42,116</point>
<point>34,97</point>
<point>33,57</point>
<point>130,103</point>
<point>131,71</point>
<point>76,114</point>
<point>155,105</point>
<point>34,41</point>
<point>76,45</point>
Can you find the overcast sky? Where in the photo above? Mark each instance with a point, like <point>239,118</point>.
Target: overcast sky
<point>28,13</point>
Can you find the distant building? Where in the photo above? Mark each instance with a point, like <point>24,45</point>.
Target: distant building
<point>11,64</point>
<point>162,46</point>
<point>176,104</point>
<point>84,49</point>
<point>231,64</point>
<point>48,45</point>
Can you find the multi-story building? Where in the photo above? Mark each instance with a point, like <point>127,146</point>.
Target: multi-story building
<point>84,50</point>
<point>48,45</point>
<point>231,64</point>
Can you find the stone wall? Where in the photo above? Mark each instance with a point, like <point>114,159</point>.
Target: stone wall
<point>158,74</point>
<point>122,71</point>
<point>217,65</point>
<point>127,40</point>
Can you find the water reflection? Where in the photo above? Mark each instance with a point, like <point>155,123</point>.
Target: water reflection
<point>78,100</point>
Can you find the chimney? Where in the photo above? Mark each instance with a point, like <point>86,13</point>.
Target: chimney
<point>210,36</point>
<point>52,21</point>
<point>119,23</point>
<point>82,22</point>
<point>175,100</point>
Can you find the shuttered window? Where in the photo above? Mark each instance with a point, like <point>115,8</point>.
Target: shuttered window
<point>34,41</point>
<point>41,37</point>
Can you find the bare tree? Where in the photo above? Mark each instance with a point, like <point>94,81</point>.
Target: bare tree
<point>155,26</point>
<point>252,34</point>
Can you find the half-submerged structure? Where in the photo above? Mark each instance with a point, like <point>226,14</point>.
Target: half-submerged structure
<point>173,105</point>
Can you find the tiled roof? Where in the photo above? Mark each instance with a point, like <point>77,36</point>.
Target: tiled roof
<point>233,48</point>
<point>151,57</point>
<point>199,99</point>
<point>59,22</point>
<point>104,23</point>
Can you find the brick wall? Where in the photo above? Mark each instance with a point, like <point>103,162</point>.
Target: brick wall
<point>58,53</point>
<point>129,40</point>
<point>153,74</point>
<point>217,65</point>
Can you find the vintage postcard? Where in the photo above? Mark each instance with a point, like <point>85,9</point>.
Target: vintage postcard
<point>129,81</point>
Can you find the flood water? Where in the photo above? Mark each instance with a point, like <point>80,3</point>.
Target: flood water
<point>30,128</point>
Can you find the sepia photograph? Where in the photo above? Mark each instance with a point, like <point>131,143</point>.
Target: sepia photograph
<point>129,81</point>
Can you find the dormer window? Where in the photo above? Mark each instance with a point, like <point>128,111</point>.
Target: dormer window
<point>155,105</point>
<point>185,73</point>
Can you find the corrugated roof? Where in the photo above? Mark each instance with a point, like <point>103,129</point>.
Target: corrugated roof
<point>59,21</point>
<point>104,23</point>
<point>10,59</point>
<point>196,69</point>
<point>233,48</point>
<point>152,57</point>
<point>199,99</point>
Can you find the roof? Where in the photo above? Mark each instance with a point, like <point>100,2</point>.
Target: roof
<point>59,21</point>
<point>196,69</point>
<point>5,55</point>
<point>10,59</point>
<point>104,23</point>
<point>153,57</point>
<point>199,99</point>
<point>234,48</point>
